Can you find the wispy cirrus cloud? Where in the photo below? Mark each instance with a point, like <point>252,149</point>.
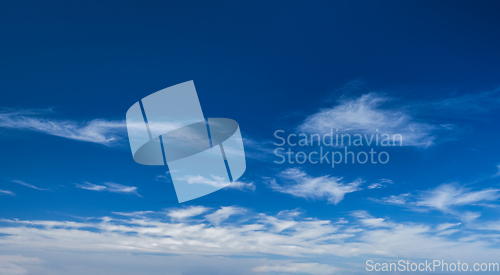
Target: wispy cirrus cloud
<point>29,185</point>
<point>7,192</point>
<point>498,172</point>
<point>299,184</point>
<point>109,187</point>
<point>216,181</point>
<point>100,131</point>
<point>367,115</point>
<point>473,103</point>
<point>447,198</point>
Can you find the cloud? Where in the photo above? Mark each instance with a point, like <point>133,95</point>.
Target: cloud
<point>98,263</point>
<point>215,181</point>
<point>469,216</point>
<point>401,199</point>
<point>242,186</point>
<point>469,103</point>
<point>382,183</point>
<point>494,225</point>
<point>185,232</point>
<point>375,186</point>
<point>446,196</point>
<point>29,185</point>
<point>368,220</point>
<point>259,149</point>
<point>309,268</point>
<point>223,214</point>
<point>6,192</point>
<point>498,171</point>
<point>367,115</point>
<point>133,214</point>
<point>11,264</point>
<point>97,131</point>
<point>299,184</point>
<point>181,214</point>
<point>109,187</point>
<point>446,226</point>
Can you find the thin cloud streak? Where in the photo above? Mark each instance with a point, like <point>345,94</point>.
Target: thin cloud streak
<point>29,185</point>
<point>447,198</point>
<point>6,192</point>
<point>100,131</point>
<point>109,187</point>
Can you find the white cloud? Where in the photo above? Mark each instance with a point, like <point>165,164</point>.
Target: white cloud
<point>495,225</point>
<point>468,216</point>
<point>446,196</point>
<point>401,199</point>
<point>109,263</point>
<point>240,185</point>
<point>11,264</point>
<point>309,268</point>
<point>470,103</point>
<point>109,187</point>
<point>190,212</point>
<point>219,182</point>
<point>368,220</point>
<point>299,184</point>
<point>29,185</point>
<point>375,186</point>
<point>96,131</point>
<point>366,115</point>
<point>262,150</point>
<point>185,232</point>
<point>91,186</point>
<point>215,181</point>
<point>133,214</point>
<point>445,226</point>
<point>224,213</point>
<point>382,183</point>
<point>7,192</point>
<point>498,171</point>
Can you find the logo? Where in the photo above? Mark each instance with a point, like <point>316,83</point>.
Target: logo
<point>168,128</point>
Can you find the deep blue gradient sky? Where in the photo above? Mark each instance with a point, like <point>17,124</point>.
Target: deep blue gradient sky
<point>269,65</point>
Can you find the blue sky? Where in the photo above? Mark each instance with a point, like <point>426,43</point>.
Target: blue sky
<point>73,201</point>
